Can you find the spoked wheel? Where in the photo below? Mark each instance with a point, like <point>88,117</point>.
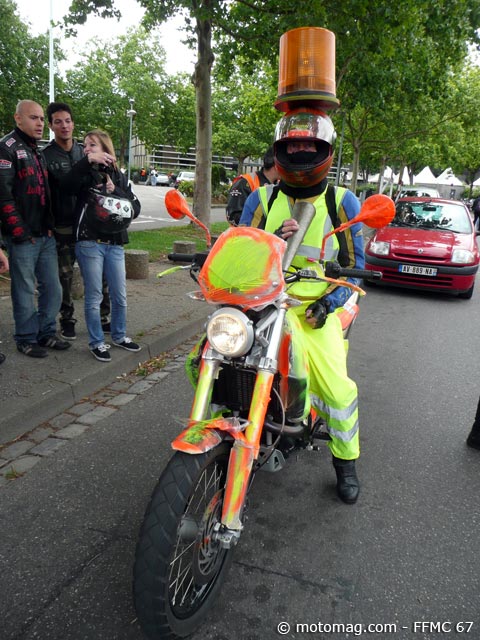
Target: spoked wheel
<point>179,565</point>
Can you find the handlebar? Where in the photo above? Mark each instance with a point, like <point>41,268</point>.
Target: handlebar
<point>194,258</point>
<point>334,270</point>
<point>364,274</point>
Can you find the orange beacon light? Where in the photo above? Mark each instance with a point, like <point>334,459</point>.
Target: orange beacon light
<point>307,69</point>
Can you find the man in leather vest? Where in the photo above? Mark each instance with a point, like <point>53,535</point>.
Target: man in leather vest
<point>303,151</point>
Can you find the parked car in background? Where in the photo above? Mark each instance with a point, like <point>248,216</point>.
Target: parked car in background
<point>163,180</point>
<point>430,244</point>
<point>184,176</point>
<point>419,192</point>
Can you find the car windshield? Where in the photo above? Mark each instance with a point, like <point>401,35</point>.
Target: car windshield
<point>432,215</point>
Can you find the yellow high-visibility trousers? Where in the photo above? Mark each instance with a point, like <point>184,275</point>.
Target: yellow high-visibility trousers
<point>333,394</point>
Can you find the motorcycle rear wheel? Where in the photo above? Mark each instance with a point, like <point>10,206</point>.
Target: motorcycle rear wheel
<point>179,568</point>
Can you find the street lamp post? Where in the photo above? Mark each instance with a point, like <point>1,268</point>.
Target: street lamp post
<point>130,113</point>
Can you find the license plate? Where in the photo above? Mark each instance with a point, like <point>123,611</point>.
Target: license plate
<point>419,271</point>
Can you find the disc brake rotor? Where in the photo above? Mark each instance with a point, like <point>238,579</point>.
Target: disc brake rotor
<point>208,553</point>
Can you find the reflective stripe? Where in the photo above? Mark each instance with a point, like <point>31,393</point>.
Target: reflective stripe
<point>336,414</point>
<point>340,415</point>
<point>308,252</point>
<point>345,436</point>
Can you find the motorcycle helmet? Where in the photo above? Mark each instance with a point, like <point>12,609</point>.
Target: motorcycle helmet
<point>309,164</point>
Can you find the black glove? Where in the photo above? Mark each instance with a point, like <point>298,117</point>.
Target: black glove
<point>319,311</point>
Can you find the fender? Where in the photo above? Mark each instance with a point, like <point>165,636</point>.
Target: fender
<point>201,436</point>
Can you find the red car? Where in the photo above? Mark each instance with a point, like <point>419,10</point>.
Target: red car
<point>430,244</point>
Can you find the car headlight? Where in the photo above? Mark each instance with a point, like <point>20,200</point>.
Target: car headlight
<point>230,332</point>
<point>379,248</point>
<point>462,256</point>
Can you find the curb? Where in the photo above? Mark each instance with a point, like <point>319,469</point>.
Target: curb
<point>23,419</point>
<point>19,457</point>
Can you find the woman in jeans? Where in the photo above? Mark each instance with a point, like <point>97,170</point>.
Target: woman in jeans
<point>99,251</point>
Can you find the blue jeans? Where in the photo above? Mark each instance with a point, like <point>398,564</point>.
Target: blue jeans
<point>34,265</point>
<point>94,259</point>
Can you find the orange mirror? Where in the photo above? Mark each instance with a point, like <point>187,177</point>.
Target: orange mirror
<point>176,204</point>
<point>377,211</point>
<point>178,208</point>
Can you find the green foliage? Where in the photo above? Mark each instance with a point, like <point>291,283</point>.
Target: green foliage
<point>243,114</point>
<point>219,174</point>
<point>99,89</point>
<point>23,65</point>
<point>407,97</point>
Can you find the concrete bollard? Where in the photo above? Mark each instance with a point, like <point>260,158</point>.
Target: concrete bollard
<point>183,246</point>
<point>136,264</point>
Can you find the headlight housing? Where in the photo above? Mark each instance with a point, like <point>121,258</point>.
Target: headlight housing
<point>230,332</point>
<point>462,256</point>
<point>379,248</point>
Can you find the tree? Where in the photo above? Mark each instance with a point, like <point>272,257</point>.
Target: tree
<point>461,139</point>
<point>244,120</point>
<point>201,15</point>
<point>388,57</point>
<point>99,88</point>
<point>23,65</point>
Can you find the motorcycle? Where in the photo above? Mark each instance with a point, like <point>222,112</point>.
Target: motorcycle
<point>251,408</point>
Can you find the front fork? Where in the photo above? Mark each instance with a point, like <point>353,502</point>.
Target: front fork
<point>246,447</point>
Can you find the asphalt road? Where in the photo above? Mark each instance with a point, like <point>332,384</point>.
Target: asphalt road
<point>403,559</point>
<point>154,214</point>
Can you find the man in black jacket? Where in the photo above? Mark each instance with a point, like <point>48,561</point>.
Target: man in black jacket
<point>3,269</point>
<point>61,154</point>
<point>244,184</point>
<point>27,227</point>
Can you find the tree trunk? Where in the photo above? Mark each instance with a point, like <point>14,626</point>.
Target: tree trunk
<point>355,165</point>
<point>202,196</point>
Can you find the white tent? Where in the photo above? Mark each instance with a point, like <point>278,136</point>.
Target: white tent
<point>425,177</point>
<point>387,175</point>
<point>405,178</point>
<point>449,178</point>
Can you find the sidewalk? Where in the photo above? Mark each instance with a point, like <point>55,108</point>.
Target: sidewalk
<point>160,317</point>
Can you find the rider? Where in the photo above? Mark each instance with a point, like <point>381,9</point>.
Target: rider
<point>303,150</point>
<point>244,184</point>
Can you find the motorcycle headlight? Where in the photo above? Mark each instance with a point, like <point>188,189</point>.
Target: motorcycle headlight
<point>380,248</point>
<point>230,332</point>
<point>462,256</point>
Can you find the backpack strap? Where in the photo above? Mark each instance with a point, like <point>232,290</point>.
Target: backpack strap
<point>330,200</point>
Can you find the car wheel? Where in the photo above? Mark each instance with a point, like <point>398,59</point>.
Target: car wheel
<point>466,295</point>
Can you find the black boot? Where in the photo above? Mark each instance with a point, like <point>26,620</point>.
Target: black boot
<point>473,439</point>
<point>348,486</point>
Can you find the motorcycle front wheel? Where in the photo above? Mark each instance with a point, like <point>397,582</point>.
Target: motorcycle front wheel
<point>179,566</point>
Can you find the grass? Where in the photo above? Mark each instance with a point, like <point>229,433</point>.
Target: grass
<point>12,474</point>
<point>159,242</point>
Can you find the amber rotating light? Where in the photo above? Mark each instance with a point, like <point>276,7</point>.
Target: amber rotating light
<point>307,69</point>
